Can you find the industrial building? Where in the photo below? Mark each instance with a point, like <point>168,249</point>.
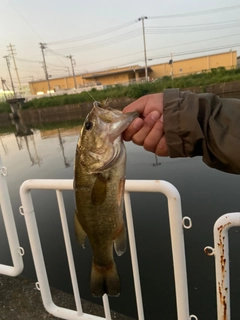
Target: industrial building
<point>136,73</point>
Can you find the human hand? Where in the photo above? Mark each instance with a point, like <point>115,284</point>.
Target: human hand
<point>148,129</point>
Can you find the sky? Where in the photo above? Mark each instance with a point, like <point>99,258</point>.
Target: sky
<point>107,34</point>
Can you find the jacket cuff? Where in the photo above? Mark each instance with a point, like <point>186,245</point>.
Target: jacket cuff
<point>183,132</point>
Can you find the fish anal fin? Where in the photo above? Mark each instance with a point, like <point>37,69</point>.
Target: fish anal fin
<point>105,279</point>
<point>80,233</point>
<point>120,241</point>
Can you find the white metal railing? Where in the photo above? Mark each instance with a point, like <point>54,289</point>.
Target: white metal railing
<point>176,229</point>
<point>221,253</point>
<point>177,223</point>
<point>11,231</point>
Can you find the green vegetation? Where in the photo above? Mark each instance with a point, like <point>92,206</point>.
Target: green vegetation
<point>4,107</point>
<point>7,130</point>
<point>217,75</point>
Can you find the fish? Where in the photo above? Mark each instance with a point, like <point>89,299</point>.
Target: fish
<point>99,178</point>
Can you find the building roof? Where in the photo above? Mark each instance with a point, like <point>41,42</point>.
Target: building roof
<point>114,71</point>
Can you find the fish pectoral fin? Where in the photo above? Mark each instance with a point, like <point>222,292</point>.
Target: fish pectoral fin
<point>99,190</point>
<point>80,233</point>
<point>121,241</point>
<point>121,191</point>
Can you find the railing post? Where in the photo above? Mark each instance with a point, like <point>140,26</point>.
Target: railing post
<point>221,251</point>
<point>176,230</point>
<point>9,222</point>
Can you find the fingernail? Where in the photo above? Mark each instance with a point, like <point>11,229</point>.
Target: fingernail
<point>137,124</point>
<point>155,115</point>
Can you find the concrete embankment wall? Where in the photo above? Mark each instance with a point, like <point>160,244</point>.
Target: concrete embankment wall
<point>79,111</point>
<point>60,113</point>
<point>65,113</point>
<point>4,120</point>
<point>56,114</point>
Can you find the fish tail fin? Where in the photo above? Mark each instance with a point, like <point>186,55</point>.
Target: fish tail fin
<point>105,279</point>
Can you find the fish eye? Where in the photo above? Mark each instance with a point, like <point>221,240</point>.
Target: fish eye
<point>88,125</point>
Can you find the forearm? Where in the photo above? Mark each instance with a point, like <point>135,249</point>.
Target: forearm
<point>203,125</point>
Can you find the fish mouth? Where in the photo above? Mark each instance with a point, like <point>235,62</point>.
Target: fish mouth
<point>121,123</point>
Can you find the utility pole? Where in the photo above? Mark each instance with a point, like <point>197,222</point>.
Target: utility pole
<point>12,52</point>
<point>67,68</point>
<point>9,71</point>
<point>43,46</point>
<point>171,63</point>
<point>144,46</point>
<point>72,64</point>
<point>3,87</point>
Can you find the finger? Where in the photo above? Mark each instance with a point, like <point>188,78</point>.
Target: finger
<point>132,129</point>
<point>146,104</point>
<point>161,149</point>
<point>154,137</point>
<point>149,122</point>
<point>137,105</point>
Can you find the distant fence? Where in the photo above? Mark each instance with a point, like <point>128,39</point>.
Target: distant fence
<point>61,92</point>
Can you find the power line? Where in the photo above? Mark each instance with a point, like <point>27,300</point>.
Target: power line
<point>93,35</point>
<point>113,29</point>
<point>194,42</point>
<point>199,51</point>
<point>166,56</point>
<point>195,25</point>
<point>148,30</point>
<point>166,47</point>
<point>135,33</point>
<point>196,13</point>
<point>25,20</point>
<point>192,28</point>
<point>27,60</point>
<point>99,44</point>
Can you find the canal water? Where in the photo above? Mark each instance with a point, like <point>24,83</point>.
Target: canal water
<point>206,194</point>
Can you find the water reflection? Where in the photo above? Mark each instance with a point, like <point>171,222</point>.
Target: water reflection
<point>4,146</point>
<point>31,140</point>
<point>61,141</point>
<point>21,129</point>
<point>206,194</point>
<point>157,163</point>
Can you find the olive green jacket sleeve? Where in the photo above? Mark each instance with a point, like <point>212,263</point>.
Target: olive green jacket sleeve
<point>203,125</point>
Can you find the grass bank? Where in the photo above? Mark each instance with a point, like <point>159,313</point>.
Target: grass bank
<point>217,75</point>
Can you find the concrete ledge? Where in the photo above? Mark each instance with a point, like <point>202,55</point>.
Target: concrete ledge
<point>19,300</point>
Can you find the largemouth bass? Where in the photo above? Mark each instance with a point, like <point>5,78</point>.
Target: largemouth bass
<point>99,186</point>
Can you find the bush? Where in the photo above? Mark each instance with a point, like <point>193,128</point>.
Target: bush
<point>137,91</point>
